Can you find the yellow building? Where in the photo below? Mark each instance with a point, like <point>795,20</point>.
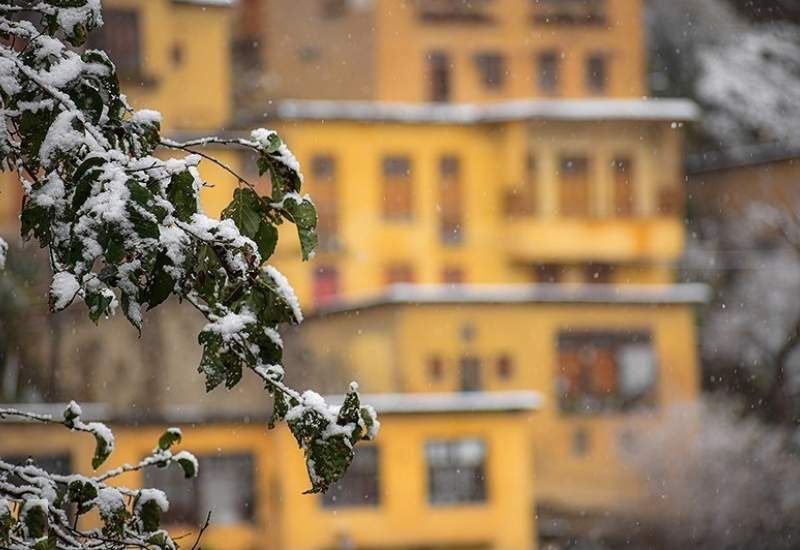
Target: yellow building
<point>499,209</point>
<point>450,471</point>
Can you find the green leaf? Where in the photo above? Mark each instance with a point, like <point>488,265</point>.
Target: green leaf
<point>304,216</point>
<point>181,193</point>
<point>82,493</point>
<point>102,451</point>
<point>143,225</point>
<point>36,219</point>
<point>266,239</point>
<point>245,211</point>
<point>169,438</point>
<point>160,284</point>
<point>99,303</point>
<point>188,465</point>
<point>150,514</point>
<point>35,519</point>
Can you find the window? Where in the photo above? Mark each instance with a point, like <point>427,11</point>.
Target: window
<point>522,201</point>
<point>600,274</point>
<point>456,471</point>
<point>505,367</point>
<point>435,368</point>
<point>575,195</point>
<point>623,187</point>
<point>326,285</point>
<point>670,200</point>
<point>492,69</point>
<point>470,371</point>
<point>397,191</point>
<point>547,72</point>
<point>325,191</point>
<point>333,9</point>
<point>450,11</point>
<point>549,273</point>
<point>120,37</point>
<point>596,74</point>
<point>453,275</point>
<point>359,486</point>
<point>569,12</point>
<point>605,370</point>
<point>439,74</point>
<point>451,217</point>
<point>225,489</point>
<point>580,442</point>
<point>399,273</point>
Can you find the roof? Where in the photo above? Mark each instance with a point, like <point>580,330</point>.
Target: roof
<point>472,113</point>
<point>456,402</point>
<point>383,403</point>
<point>547,293</point>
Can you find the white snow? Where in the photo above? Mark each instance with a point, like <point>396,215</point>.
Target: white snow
<point>108,500</point>
<point>473,113</point>
<point>231,324</point>
<point>286,291</point>
<point>3,253</point>
<point>63,289</point>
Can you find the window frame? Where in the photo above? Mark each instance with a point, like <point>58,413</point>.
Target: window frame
<point>435,497</point>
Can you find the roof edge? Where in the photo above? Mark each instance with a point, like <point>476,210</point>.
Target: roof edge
<point>546,293</point>
<point>591,109</point>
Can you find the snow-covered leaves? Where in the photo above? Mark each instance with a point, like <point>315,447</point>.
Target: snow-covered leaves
<point>125,229</point>
<point>33,502</point>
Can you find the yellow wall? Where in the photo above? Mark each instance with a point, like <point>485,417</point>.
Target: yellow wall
<point>495,249</point>
<point>194,93</point>
<point>407,336</point>
<point>286,519</point>
<point>405,41</point>
<point>379,51</point>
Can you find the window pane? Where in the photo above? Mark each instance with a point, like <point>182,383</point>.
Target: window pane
<point>575,191</point>
<point>360,485</point>
<point>450,200</point>
<point>399,273</point>
<point>456,471</point>
<point>491,68</point>
<point>606,370</point>
<point>439,76</point>
<point>397,191</point>
<point>326,285</point>
<point>548,72</point>
<point>569,12</point>
<point>120,38</point>
<point>596,74</point>
<point>470,374</point>
<point>325,193</point>
<point>227,488</point>
<point>623,187</point>
<point>182,494</point>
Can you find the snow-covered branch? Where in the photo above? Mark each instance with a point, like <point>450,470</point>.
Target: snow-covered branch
<point>125,228</point>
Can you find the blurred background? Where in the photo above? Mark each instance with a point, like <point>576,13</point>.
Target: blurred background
<point>559,250</point>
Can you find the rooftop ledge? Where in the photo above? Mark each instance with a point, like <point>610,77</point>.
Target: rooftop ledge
<point>463,402</point>
<point>678,110</point>
<point>383,403</point>
<point>546,293</point>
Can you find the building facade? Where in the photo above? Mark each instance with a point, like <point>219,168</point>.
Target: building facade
<point>499,210</point>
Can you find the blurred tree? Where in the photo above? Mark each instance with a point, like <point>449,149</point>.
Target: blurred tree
<point>725,483</point>
<point>750,335</point>
<point>745,72</point>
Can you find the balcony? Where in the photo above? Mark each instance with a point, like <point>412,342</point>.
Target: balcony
<point>569,12</point>
<point>607,240</point>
